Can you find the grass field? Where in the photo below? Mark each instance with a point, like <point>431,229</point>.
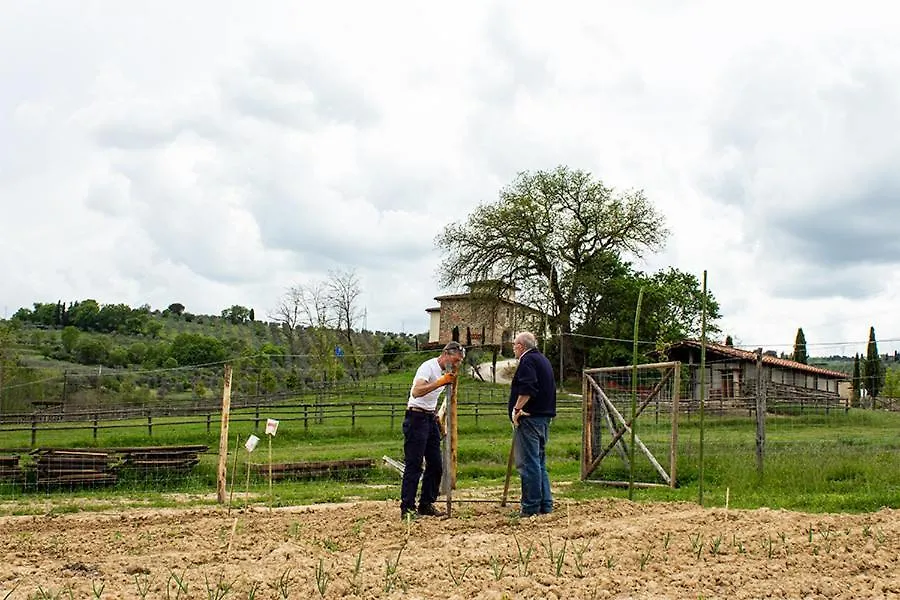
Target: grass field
<point>814,462</point>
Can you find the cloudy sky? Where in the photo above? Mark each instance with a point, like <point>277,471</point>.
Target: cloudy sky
<point>211,153</point>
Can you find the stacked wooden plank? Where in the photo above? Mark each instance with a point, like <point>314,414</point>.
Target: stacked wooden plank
<point>355,468</point>
<point>10,472</point>
<point>73,467</point>
<point>175,460</point>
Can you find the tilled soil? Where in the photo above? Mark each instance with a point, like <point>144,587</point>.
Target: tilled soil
<point>596,549</point>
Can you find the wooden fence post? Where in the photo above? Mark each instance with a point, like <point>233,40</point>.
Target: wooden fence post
<point>760,412</point>
<point>149,422</point>
<point>96,419</point>
<point>33,429</point>
<point>222,476</point>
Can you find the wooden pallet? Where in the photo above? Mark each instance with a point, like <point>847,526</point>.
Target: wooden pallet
<point>73,467</point>
<point>10,472</point>
<point>335,469</point>
<point>156,459</point>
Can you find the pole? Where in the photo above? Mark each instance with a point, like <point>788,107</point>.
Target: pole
<point>237,444</point>
<point>702,386</point>
<point>222,476</point>
<point>509,467</point>
<point>559,331</point>
<point>454,428</point>
<point>760,413</point>
<point>634,370</point>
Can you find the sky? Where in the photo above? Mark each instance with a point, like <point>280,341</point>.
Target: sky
<point>216,153</point>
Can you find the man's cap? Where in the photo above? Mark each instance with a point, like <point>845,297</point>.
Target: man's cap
<point>454,347</point>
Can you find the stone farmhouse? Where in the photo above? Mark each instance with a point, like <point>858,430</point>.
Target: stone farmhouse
<point>487,315</point>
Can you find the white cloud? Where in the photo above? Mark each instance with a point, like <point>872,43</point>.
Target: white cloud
<point>215,155</point>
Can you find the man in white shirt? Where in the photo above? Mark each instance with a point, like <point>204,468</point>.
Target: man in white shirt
<point>422,433</point>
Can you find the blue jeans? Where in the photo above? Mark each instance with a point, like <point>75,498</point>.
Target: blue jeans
<point>531,463</point>
<point>422,440</point>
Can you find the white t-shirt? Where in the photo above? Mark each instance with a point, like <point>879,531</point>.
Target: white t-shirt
<point>429,371</point>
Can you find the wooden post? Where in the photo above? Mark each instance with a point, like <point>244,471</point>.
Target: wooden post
<point>673,450</point>
<point>222,477</point>
<point>760,412</point>
<point>454,427</point>
<point>33,429</point>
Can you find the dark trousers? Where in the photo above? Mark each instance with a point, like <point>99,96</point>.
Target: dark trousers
<point>422,440</point>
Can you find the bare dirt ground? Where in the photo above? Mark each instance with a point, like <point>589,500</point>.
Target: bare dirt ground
<point>600,549</point>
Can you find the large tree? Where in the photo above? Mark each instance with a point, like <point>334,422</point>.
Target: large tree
<point>800,354</point>
<point>551,233</point>
<point>873,370</point>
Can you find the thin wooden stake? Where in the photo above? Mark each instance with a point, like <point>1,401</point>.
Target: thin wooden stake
<point>222,475</point>
<point>237,444</point>
<point>509,466</point>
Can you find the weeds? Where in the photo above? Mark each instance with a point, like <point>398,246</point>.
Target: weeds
<point>714,545</point>
<point>768,547</point>
<point>10,592</point>
<point>879,536</point>
<point>331,545</point>
<point>610,562</point>
<point>321,578</point>
<point>667,540</point>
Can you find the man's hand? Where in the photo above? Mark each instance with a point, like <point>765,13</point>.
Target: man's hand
<point>445,379</point>
<point>517,414</point>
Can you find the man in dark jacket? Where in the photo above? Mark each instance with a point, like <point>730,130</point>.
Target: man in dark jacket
<point>532,404</point>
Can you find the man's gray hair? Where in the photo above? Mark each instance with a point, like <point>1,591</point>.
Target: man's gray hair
<point>454,348</point>
<point>527,339</point>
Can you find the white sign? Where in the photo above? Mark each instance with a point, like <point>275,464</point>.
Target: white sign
<point>271,426</point>
<point>252,441</point>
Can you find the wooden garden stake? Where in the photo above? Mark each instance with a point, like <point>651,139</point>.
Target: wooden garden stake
<point>271,429</point>
<point>509,466</point>
<point>237,443</point>
<point>221,478</point>
<point>250,445</point>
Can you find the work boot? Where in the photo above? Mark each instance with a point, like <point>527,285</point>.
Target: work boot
<point>430,510</point>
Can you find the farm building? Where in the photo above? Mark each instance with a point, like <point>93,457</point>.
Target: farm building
<point>487,315</point>
<point>731,374</point>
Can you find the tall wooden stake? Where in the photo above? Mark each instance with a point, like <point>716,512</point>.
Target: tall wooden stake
<point>760,412</point>
<point>634,371</point>
<point>454,429</point>
<point>702,387</point>
<point>222,477</point>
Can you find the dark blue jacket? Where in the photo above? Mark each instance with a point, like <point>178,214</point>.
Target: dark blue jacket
<point>534,378</point>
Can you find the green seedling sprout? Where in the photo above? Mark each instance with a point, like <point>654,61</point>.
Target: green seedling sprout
<point>219,590</point>
<point>390,569</point>
<point>524,557</point>
<point>142,583</point>
<point>579,556</point>
<point>283,585</point>
<point>644,558</point>
<point>357,567</point>
<point>458,580</point>
<point>96,592</point>
<point>321,578</point>
<point>179,587</point>
<point>497,568</point>
<point>715,544</point>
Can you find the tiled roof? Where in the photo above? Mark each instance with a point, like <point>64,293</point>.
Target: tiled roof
<point>750,356</point>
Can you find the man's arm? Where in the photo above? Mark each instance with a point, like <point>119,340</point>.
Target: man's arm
<point>518,408</point>
<point>422,387</point>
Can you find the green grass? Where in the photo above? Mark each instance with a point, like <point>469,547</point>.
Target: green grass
<point>814,462</point>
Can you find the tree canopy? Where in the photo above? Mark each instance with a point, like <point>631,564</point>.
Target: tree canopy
<point>800,354</point>
<point>565,238</point>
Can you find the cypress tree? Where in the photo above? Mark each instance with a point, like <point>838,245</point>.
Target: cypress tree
<point>800,347</point>
<point>873,371</point>
<point>855,381</point>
